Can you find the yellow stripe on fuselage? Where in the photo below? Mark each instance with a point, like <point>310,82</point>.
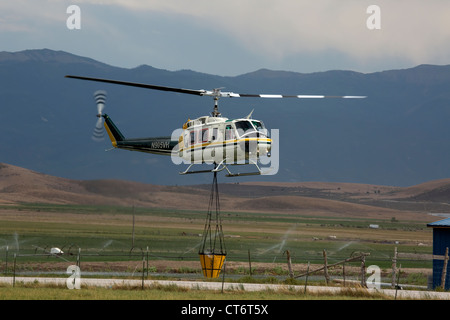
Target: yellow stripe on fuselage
<point>202,145</point>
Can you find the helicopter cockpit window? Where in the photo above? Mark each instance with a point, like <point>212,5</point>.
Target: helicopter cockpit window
<point>186,139</point>
<point>259,125</point>
<point>192,137</point>
<point>215,134</point>
<point>229,132</point>
<point>244,127</point>
<point>205,135</point>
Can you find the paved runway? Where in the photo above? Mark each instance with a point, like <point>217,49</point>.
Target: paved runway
<point>408,294</point>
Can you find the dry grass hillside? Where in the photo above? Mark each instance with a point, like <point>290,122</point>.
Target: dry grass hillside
<point>19,185</point>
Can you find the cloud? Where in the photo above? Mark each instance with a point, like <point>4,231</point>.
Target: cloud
<point>416,30</point>
<point>26,15</point>
<point>268,33</point>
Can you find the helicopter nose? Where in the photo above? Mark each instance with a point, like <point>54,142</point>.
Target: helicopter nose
<point>263,148</point>
<point>249,146</point>
<point>269,149</point>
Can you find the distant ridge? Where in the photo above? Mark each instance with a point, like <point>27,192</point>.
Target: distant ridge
<point>45,56</point>
<point>19,185</point>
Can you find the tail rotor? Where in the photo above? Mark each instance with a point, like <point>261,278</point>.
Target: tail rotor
<point>100,100</point>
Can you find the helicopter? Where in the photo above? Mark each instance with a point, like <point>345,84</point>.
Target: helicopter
<point>209,139</point>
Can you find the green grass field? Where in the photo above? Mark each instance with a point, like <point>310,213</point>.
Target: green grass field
<point>103,235</point>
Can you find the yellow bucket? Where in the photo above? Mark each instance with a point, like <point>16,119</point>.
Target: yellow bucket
<point>211,264</point>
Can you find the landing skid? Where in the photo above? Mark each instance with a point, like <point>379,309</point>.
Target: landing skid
<point>224,166</point>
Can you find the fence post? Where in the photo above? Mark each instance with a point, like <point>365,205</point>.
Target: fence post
<point>394,267</point>
<point>307,274</point>
<point>14,271</point>
<point>224,270</point>
<point>327,277</point>
<point>79,258</point>
<point>6,261</point>
<point>444,269</point>
<point>143,270</point>
<point>132,232</point>
<point>343,272</point>
<point>398,281</point>
<point>363,271</point>
<point>147,261</point>
<point>291,273</point>
<point>249,263</point>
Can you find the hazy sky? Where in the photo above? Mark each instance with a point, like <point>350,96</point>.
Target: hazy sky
<point>236,36</point>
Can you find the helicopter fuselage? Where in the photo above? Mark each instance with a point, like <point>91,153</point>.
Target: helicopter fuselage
<point>203,140</point>
<point>217,139</point>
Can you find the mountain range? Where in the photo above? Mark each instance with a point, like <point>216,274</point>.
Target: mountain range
<point>398,136</point>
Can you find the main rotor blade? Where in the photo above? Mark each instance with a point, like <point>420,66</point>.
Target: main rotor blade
<point>216,93</point>
<point>300,96</point>
<point>141,85</point>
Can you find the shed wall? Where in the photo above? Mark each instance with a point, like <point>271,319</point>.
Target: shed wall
<point>441,240</point>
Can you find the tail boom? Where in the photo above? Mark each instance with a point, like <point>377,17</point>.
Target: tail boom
<point>155,145</point>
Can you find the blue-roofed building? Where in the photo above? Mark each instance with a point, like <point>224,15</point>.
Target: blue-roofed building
<point>441,241</point>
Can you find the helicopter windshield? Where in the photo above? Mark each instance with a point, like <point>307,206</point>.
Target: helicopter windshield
<point>251,128</point>
<point>244,126</point>
<point>259,125</point>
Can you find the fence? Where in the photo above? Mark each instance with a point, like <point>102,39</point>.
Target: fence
<point>396,271</point>
<point>444,257</point>
<point>145,255</point>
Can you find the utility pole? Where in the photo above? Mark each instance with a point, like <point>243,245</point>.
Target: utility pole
<point>132,233</point>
